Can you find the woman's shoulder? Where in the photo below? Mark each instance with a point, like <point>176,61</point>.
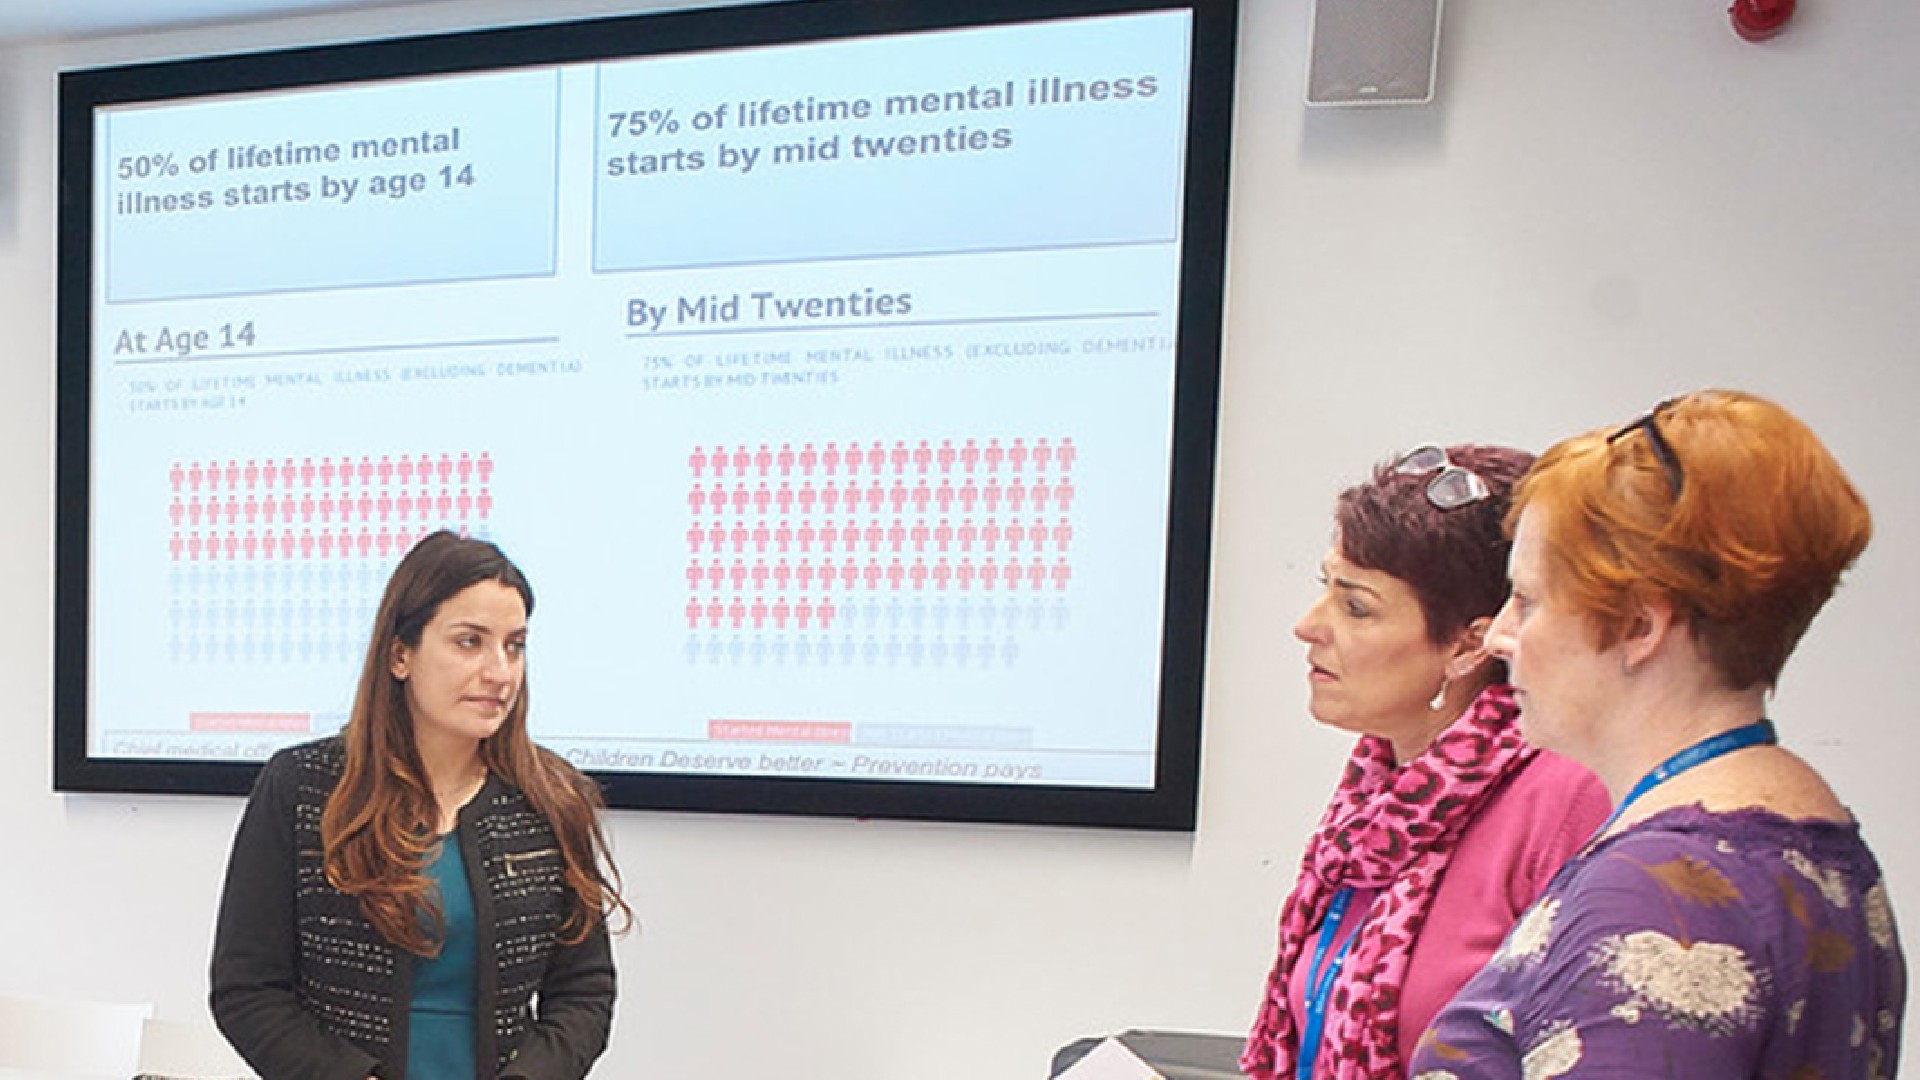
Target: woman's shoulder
<point>316,762</point>
<point>1748,874</point>
<point>1547,808</point>
<point>1770,778</point>
<point>1555,793</point>
<point>556,781</point>
<point>328,751</point>
<point>1754,837</point>
<point>1750,879</point>
<point>1551,772</point>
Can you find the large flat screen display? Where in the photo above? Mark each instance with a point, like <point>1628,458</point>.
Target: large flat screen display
<point>842,373</point>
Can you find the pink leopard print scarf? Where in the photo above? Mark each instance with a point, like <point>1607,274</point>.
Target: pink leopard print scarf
<point>1393,829</point>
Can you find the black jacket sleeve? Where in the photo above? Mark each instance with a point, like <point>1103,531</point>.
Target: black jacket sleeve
<point>256,949</point>
<point>574,1013</point>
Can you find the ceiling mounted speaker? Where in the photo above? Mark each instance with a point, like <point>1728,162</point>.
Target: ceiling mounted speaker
<point>1373,52</point>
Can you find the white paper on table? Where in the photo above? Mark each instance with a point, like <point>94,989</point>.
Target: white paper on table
<point>1111,1060</point>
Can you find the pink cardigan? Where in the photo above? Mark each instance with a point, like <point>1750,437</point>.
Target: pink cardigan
<point>1506,856</point>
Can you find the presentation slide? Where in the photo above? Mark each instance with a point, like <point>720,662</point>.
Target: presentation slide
<point>823,390</point>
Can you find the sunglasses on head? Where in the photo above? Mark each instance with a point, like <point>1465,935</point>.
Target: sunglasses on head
<point>1662,450</point>
<point>1452,486</point>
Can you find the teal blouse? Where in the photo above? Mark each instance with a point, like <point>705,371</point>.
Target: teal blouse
<point>440,1032</point>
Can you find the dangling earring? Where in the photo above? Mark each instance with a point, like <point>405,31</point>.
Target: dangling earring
<point>1439,696</point>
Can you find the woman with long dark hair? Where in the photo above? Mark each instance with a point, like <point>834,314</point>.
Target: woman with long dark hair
<point>424,896</point>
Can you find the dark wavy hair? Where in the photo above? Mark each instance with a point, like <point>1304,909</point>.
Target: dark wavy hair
<point>379,824</point>
<point>1454,560</point>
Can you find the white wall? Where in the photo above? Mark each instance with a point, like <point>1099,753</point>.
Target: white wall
<point>1609,203</point>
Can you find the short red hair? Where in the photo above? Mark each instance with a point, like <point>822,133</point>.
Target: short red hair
<point>1750,547</point>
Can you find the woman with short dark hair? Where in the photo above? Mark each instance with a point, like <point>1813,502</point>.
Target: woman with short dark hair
<point>1728,920</point>
<point>1446,824</point>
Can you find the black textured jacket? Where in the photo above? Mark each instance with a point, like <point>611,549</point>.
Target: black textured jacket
<point>306,989</point>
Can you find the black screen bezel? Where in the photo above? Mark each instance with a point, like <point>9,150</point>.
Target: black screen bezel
<point>1171,804</point>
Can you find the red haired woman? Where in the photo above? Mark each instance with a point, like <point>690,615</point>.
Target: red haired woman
<point>1446,824</point>
<point>424,896</point>
<point>1728,920</point>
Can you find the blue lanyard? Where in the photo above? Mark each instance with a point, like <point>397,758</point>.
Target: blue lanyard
<point>1320,983</point>
<point>1754,734</point>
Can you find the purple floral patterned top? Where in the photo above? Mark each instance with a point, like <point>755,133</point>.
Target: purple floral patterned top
<point>1692,945</point>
